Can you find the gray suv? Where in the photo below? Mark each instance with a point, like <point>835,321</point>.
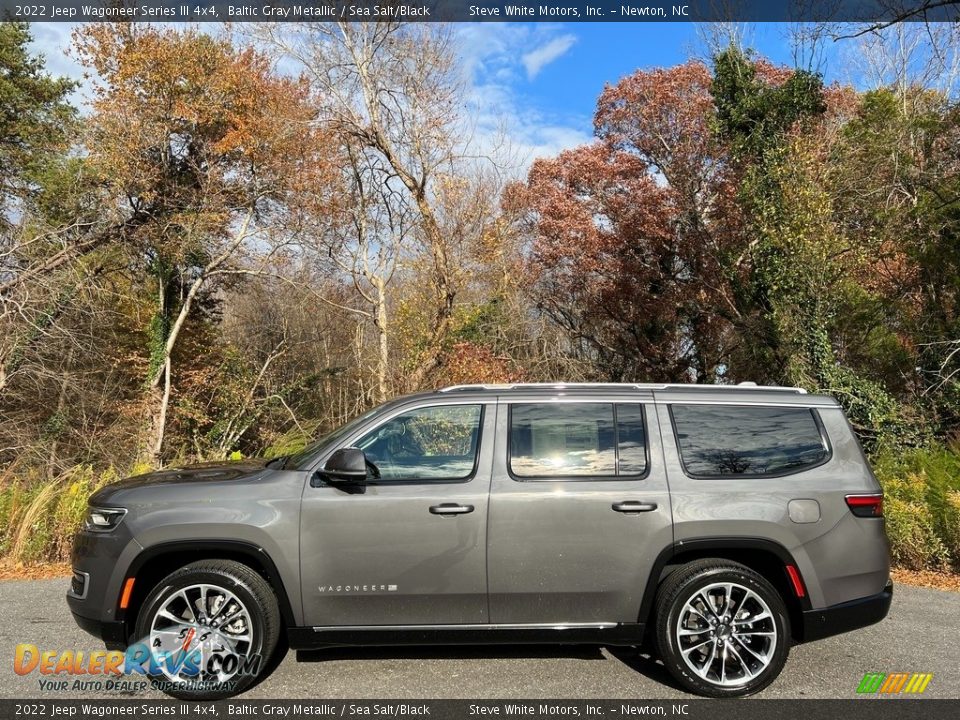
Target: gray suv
<point>713,525</point>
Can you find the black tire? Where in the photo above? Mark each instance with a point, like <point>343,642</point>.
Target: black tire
<point>746,676</point>
<point>250,589</point>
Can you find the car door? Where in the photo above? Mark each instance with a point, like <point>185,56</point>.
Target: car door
<point>407,547</point>
<point>579,509</point>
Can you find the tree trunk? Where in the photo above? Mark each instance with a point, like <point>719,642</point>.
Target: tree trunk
<point>159,385</point>
<point>383,347</point>
<point>61,403</point>
<point>163,373</point>
<point>159,423</point>
<point>444,276</point>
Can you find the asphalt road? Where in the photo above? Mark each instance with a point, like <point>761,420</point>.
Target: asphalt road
<point>919,635</point>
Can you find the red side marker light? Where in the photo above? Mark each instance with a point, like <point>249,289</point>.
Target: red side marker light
<point>796,581</point>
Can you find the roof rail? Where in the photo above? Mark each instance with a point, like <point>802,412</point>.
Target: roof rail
<point>633,386</point>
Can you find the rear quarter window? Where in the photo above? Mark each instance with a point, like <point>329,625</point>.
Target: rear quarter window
<point>747,441</point>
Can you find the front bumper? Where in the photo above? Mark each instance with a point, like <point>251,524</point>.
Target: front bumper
<point>113,633</point>
<point>100,562</point>
<point>836,619</point>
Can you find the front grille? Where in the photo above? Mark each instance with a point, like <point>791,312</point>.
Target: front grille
<point>78,584</point>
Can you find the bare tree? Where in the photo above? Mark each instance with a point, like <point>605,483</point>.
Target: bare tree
<point>897,12</point>
<point>808,43</point>
<point>908,55</point>
<point>367,247</point>
<point>715,37</point>
<point>391,92</point>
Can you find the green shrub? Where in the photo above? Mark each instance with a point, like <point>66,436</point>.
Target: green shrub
<point>951,524</point>
<point>292,442</point>
<point>922,499</point>
<point>914,542</point>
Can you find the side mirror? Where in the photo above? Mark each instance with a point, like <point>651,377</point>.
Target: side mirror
<point>346,465</point>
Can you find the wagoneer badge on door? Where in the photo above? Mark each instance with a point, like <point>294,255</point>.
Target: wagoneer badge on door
<point>357,588</point>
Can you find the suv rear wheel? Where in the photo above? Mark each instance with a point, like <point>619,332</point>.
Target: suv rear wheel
<point>722,630</point>
<point>211,628</point>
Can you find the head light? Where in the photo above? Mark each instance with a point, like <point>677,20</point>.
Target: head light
<point>103,519</point>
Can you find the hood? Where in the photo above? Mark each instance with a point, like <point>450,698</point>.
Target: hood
<point>211,472</point>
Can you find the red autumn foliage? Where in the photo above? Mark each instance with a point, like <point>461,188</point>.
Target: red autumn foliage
<point>468,362</point>
<point>627,233</point>
<point>663,115</point>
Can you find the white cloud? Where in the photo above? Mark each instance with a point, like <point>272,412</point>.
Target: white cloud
<point>502,119</point>
<point>535,60</point>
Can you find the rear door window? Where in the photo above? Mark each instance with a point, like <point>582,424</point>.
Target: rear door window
<point>577,440</point>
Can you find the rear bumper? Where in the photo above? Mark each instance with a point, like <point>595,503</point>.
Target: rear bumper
<point>846,616</point>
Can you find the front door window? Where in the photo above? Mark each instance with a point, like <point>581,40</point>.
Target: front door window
<point>433,444</point>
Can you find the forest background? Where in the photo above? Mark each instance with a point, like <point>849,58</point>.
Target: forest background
<point>251,235</point>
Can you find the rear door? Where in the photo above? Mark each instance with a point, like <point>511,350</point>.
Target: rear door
<point>579,508</point>
<point>409,547</point>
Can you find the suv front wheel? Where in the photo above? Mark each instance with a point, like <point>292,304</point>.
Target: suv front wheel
<point>722,630</point>
<point>208,630</point>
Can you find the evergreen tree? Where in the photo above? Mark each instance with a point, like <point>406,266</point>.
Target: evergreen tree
<point>36,119</point>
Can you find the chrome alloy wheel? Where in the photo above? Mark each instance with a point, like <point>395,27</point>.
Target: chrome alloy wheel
<point>726,634</point>
<point>207,622</point>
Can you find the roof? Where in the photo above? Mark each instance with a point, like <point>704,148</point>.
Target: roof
<point>625,386</point>
<point>743,393</point>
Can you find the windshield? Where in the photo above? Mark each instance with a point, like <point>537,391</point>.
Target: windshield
<point>306,457</point>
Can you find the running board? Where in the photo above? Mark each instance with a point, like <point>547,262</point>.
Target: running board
<point>303,638</point>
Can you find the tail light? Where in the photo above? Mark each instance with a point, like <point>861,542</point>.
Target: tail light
<point>866,505</point>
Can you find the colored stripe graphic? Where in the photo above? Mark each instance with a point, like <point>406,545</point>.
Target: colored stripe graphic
<point>894,683</point>
<point>915,681</point>
<point>888,684</point>
<point>898,686</point>
<point>871,682</point>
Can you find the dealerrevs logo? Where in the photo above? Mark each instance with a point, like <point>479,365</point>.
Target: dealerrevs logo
<point>105,670</point>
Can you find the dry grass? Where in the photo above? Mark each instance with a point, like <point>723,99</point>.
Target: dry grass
<point>39,515</point>
<point>29,523</point>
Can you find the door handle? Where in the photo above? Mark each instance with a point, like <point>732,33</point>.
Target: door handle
<point>451,509</point>
<point>633,506</point>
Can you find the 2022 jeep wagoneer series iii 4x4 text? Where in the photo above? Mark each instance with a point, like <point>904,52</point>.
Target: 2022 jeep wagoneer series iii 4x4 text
<point>716,525</point>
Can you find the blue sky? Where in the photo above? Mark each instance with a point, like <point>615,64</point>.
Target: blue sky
<point>600,53</point>
<point>542,81</point>
<point>537,83</point>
